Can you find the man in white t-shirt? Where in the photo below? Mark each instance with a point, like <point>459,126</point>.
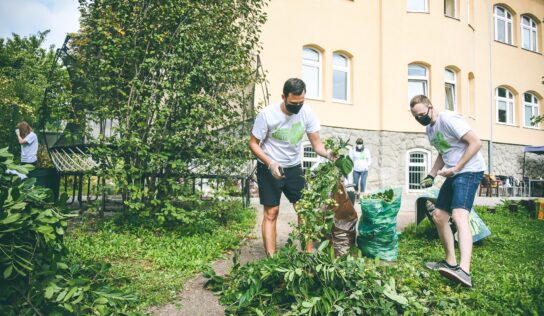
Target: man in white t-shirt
<point>29,143</point>
<point>276,142</point>
<point>461,162</point>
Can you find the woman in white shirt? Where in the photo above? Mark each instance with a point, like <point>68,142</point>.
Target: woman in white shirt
<point>361,162</point>
<point>29,143</point>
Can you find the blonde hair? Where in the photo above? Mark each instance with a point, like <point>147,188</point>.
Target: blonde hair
<point>24,128</point>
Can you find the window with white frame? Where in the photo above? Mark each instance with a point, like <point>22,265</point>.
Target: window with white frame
<point>340,81</point>
<point>505,106</point>
<point>418,166</point>
<point>450,8</point>
<point>449,82</point>
<point>530,109</point>
<point>529,39</point>
<point>311,72</point>
<point>309,156</point>
<point>416,6</point>
<point>503,25</point>
<point>418,80</point>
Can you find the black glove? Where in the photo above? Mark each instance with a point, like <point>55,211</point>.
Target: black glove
<point>427,182</point>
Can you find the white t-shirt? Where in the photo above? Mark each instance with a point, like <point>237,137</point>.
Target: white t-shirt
<point>280,134</point>
<point>361,159</point>
<point>29,150</point>
<point>445,135</point>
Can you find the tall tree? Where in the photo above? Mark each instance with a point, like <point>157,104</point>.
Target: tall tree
<point>24,76</point>
<point>174,76</point>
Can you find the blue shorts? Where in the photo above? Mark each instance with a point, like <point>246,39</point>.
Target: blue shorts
<point>459,191</point>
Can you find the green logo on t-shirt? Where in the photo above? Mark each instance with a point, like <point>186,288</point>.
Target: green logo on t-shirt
<point>293,135</point>
<point>440,143</point>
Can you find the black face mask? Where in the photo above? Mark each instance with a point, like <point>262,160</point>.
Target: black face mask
<point>425,119</point>
<point>294,109</point>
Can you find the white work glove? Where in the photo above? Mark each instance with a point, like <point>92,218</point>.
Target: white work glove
<point>276,170</point>
<point>17,132</point>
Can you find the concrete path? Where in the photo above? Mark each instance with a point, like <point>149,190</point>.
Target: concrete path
<point>194,300</point>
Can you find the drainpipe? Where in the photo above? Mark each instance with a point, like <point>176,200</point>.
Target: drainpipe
<point>491,90</point>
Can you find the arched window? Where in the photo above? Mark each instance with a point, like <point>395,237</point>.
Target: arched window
<point>530,109</point>
<point>503,25</point>
<point>529,38</point>
<point>418,80</point>
<point>340,81</point>
<point>505,106</point>
<point>450,85</point>
<point>311,72</point>
<point>417,167</point>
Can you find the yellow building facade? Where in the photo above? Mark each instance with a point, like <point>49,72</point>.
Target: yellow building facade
<point>363,60</point>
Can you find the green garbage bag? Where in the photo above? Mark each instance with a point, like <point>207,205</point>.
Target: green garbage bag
<point>377,233</point>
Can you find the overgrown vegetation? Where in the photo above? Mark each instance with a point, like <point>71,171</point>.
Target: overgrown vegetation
<point>153,261</point>
<point>177,78</point>
<point>507,274</point>
<point>37,278</point>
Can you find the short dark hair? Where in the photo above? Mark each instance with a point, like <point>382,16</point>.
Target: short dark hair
<point>359,141</point>
<point>294,86</point>
<point>420,99</point>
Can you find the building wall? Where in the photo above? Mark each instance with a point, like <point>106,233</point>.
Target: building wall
<point>382,39</point>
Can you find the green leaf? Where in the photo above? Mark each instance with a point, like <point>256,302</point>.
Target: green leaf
<point>11,218</point>
<point>8,271</point>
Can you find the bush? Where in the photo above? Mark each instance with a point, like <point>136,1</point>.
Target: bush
<point>35,277</point>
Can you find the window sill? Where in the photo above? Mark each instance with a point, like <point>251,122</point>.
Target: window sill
<point>452,17</point>
<point>314,99</point>
<point>424,12</point>
<point>506,124</point>
<point>472,117</point>
<point>536,128</point>
<point>507,44</point>
<point>531,51</point>
<point>341,102</point>
<point>472,27</point>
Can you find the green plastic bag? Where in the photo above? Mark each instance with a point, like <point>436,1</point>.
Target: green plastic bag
<point>377,233</point>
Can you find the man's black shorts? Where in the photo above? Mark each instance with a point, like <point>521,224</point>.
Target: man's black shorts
<point>270,188</point>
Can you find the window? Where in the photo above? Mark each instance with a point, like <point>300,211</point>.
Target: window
<point>530,109</point>
<point>340,80</point>
<point>451,97</point>
<point>418,79</point>
<point>416,5</point>
<point>311,72</point>
<point>505,106</point>
<point>503,25</point>
<point>450,8</point>
<point>418,167</point>
<point>309,156</point>
<point>528,33</point>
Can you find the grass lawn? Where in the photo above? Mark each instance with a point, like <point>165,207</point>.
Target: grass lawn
<point>507,267</point>
<point>154,263</point>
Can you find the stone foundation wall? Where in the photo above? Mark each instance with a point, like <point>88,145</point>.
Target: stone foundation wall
<point>389,156</point>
